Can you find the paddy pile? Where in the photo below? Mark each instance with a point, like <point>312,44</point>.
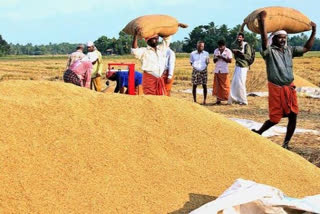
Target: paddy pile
<point>68,149</point>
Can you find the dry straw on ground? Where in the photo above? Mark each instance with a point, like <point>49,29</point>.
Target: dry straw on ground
<point>67,149</point>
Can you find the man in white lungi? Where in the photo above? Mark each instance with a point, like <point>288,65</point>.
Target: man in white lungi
<point>242,54</point>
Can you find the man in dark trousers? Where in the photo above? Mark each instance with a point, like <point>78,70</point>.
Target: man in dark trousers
<point>282,95</point>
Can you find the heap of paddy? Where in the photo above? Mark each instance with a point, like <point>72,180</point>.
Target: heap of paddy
<point>68,149</point>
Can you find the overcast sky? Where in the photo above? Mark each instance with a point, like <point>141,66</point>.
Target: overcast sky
<point>78,21</point>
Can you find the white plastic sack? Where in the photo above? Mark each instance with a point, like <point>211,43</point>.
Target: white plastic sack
<point>199,91</point>
<point>248,197</point>
<point>273,131</point>
<point>309,92</point>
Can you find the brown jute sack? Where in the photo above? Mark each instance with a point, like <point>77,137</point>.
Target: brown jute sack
<point>278,18</point>
<point>150,25</point>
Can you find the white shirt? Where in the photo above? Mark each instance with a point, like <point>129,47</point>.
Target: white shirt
<point>153,61</point>
<point>170,62</point>
<point>91,56</point>
<point>221,65</point>
<point>198,60</point>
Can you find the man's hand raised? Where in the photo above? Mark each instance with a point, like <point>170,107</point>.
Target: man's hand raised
<point>313,25</point>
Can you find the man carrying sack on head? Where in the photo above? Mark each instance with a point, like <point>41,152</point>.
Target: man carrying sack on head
<point>282,95</point>
<point>153,59</point>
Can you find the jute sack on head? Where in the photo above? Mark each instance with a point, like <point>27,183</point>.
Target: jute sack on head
<point>278,18</point>
<point>151,25</point>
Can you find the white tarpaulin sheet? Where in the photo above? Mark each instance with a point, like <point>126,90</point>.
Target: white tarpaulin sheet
<point>302,91</point>
<point>248,197</point>
<point>273,131</point>
<point>258,94</point>
<point>309,92</point>
<point>199,90</point>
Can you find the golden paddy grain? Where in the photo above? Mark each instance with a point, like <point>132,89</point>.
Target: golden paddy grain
<point>66,149</point>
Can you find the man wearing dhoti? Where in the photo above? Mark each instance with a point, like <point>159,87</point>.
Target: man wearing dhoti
<point>242,54</point>
<point>153,59</point>
<point>282,95</point>
<point>221,82</point>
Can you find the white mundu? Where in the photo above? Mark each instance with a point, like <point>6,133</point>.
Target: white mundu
<point>238,91</point>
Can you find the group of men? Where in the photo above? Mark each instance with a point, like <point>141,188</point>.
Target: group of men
<point>278,57</point>
<point>222,56</point>
<point>85,70</point>
<point>276,53</point>
<point>158,62</point>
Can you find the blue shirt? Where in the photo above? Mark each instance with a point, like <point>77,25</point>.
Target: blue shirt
<point>122,79</point>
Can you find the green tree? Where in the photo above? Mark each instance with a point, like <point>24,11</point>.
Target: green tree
<point>197,34</point>
<point>211,34</point>
<point>104,43</point>
<point>316,45</point>
<point>298,40</point>
<point>4,47</point>
<point>177,46</point>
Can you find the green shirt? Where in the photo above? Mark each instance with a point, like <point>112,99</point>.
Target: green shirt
<point>242,61</point>
<point>279,64</point>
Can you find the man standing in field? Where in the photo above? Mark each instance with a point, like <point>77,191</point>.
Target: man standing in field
<point>199,60</point>
<point>96,58</point>
<point>153,59</point>
<point>221,83</point>
<point>242,54</point>
<point>77,55</point>
<point>168,76</point>
<point>282,95</point>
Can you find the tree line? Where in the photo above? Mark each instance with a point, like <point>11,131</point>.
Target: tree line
<point>209,33</point>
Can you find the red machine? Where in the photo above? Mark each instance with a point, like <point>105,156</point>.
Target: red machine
<point>131,80</point>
